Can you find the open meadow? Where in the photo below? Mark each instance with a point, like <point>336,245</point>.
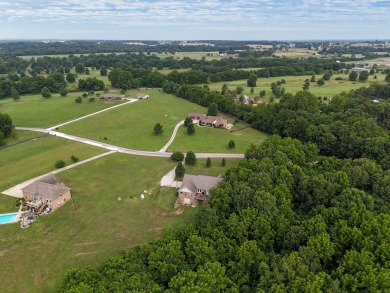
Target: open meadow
<point>33,158</point>
<point>294,84</point>
<point>213,140</point>
<point>104,217</point>
<point>35,111</point>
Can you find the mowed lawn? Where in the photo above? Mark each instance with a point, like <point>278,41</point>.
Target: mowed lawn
<point>33,158</point>
<point>132,125</point>
<point>294,84</point>
<point>215,169</point>
<point>35,111</point>
<point>215,140</point>
<point>94,225</point>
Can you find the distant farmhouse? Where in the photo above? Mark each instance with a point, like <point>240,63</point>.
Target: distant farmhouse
<point>141,96</point>
<point>211,121</point>
<point>110,97</point>
<point>46,194</point>
<point>196,188</point>
<point>358,69</point>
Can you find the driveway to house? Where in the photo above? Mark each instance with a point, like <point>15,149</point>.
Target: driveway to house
<point>114,148</point>
<point>165,147</point>
<point>17,192</point>
<point>92,114</point>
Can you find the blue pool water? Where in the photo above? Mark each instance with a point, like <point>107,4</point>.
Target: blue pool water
<point>8,218</point>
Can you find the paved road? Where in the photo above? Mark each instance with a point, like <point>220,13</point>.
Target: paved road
<point>17,192</point>
<point>165,147</point>
<point>114,148</point>
<point>92,114</point>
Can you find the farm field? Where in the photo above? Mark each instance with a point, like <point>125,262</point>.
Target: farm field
<point>212,140</point>
<point>35,111</point>
<point>132,125</point>
<point>94,225</point>
<point>36,157</point>
<point>294,84</point>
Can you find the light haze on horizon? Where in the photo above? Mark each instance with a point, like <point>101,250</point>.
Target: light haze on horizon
<point>195,20</point>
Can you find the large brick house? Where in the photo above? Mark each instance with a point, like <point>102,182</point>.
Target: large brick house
<point>211,121</point>
<point>196,188</point>
<point>46,194</point>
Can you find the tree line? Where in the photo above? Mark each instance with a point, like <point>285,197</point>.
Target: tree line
<point>285,219</point>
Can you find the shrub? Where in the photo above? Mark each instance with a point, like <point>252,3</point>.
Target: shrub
<point>208,163</point>
<point>190,158</point>
<point>223,163</point>
<point>177,156</point>
<point>78,100</point>
<point>191,129</point>
<point>63,92</point>
<point>91,99</point>
<point>187,121</point>
<point>59,164</point>
<point>231,144</point>
<point>180,170</point>
<point>74,159</point>
<point>46,93</point>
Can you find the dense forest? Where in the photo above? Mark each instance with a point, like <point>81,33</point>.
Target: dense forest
<point>286,219</point>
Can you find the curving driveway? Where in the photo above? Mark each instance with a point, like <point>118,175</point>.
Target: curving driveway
<point>115,148</point>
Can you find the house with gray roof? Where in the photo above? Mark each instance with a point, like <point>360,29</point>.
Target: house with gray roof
<point>196,188</point>
<point>46,194</point>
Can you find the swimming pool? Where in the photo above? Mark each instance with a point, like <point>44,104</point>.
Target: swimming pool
<point>8,218</point>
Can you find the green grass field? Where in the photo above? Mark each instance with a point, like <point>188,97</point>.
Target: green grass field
<point>294,84</point>
<point>213,140</point>
<point>215,169</point>
<point>132,125</point>
<point>33,158</point>
<point>94,225</point>
<point>35,111</point>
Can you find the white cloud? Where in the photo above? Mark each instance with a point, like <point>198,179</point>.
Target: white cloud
<point>239,15</point>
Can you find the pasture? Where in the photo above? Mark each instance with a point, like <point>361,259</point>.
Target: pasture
<point>294,84</point>
<point>214,140</point>
<point>132,125</point>
<point>36,157</point>
<point>35,111</point>
<point>94,225</point>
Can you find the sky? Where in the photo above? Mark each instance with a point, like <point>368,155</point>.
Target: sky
<point>195,19</point>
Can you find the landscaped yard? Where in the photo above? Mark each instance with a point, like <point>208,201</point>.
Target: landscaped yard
<point>94,225</point>
<point>132,125</point>
<point>35,111</point>
<point>215,140</point>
